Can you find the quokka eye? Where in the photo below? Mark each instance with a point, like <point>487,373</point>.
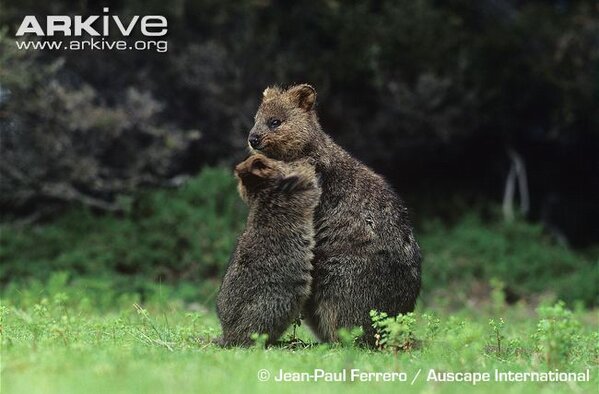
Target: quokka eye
<point>273,123</point>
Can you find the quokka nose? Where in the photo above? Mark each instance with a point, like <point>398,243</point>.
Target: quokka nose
<point>254,141</point>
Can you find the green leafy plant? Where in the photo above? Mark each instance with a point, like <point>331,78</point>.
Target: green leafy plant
<point>433,325</point>
<point>394,333</point>
<point>350,337</point>
<point>260,340</point>
<point>558,333</point>
<point>498,336</point>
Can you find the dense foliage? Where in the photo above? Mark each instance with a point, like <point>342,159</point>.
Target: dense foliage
<point>186,236</point>
<point>430,93</point>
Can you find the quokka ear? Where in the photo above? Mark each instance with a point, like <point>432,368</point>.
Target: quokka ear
<point>249,179</point>
<point>304,96</point>
<point>253,171</point>
<point>258,165</point>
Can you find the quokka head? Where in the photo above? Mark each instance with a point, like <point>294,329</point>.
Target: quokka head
<point>260,175</point>
<point>286,125</point>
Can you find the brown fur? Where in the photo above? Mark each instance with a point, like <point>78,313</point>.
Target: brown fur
<point>365,255</point>
<point>268,279</point>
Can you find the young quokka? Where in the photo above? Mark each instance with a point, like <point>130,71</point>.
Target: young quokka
<point>269,275</point>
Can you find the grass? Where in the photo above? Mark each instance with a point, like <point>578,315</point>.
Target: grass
<point>63,341</point>
<point>126,304</point>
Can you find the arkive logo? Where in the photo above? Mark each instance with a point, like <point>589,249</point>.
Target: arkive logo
<point>150,25</point>
<point>103,26</point>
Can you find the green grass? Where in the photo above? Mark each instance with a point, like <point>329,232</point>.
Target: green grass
<point>107,304</point>
<point>63,341</point>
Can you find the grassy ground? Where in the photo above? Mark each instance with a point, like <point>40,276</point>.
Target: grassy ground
<point>106,304</point>
<point>62,341</point>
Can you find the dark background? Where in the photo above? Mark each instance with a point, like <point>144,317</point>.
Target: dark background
<point>432,94</point>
